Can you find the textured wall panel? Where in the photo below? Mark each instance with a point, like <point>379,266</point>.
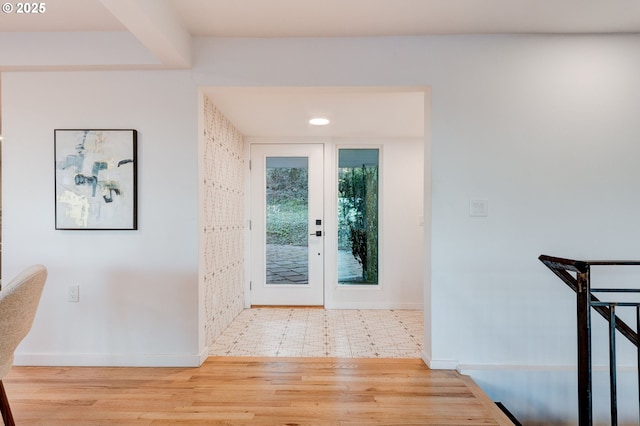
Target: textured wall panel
<point>224,221</point>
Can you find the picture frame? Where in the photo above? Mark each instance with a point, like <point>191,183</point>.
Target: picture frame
<point>96,179</point>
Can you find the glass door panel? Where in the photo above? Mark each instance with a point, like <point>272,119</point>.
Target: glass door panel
<point>287,218</point>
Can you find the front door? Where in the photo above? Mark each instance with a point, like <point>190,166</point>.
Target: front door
<point>287,225</point>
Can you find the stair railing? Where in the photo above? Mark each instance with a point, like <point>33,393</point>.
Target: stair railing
<point>586,301</point>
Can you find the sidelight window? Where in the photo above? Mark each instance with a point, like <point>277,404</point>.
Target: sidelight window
<point>358,210</point>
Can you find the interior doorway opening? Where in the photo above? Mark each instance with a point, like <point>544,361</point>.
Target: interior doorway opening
<point>390,118</point>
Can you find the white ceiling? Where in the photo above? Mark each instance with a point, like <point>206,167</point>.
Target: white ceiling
<point>284,113</point>
<point>345,18</point>
<point>165,29</point>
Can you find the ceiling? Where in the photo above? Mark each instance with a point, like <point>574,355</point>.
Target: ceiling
<point>358,113</point>
<point>343,18</point>
<point>160,35</point>
<point>348,18</point>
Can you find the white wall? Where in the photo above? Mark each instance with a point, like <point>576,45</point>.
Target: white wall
<point>138,289</point>
<point>546,129</point>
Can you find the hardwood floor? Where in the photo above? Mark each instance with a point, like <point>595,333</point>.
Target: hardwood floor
<point>263,391</point>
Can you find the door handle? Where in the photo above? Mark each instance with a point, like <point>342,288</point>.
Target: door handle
<point>317,234</point>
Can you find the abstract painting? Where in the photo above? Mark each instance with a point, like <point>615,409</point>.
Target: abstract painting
<point>96,184</point>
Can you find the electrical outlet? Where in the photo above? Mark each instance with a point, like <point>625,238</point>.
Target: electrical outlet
<point>73,293</point>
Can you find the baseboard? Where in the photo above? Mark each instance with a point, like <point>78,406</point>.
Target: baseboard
<point>466,369</point>
<point>109,360</point>
<point>204,354</point>
<point>376,305</point>
<point>440,364</point>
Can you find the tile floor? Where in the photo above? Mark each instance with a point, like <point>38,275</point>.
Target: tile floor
<point>302,332</point>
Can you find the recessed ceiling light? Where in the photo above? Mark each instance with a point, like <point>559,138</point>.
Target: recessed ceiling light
<point>319,121</point>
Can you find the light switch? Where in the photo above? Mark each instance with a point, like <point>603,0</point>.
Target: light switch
<point>478,208</point>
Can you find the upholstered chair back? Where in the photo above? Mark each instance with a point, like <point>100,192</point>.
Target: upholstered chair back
<point>18,302</point>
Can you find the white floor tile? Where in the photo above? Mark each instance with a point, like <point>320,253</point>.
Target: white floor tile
<point>296,332</point>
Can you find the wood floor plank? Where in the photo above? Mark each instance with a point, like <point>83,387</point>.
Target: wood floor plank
<point>256,391</point>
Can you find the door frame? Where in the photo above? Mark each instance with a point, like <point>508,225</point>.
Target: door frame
<point>312,294</point>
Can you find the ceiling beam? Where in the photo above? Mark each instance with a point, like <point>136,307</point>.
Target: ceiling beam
<point>156,26</point>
